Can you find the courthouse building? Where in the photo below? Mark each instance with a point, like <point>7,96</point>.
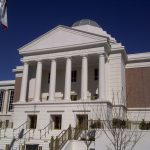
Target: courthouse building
<point>69,67</point>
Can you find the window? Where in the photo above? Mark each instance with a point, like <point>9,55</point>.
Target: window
<point>32,121</point>
<point>82,121</point>
<point>48,78</point>
<point>96,74</point>
<point>11,99</point>
<point>56,119</point>
<point>7,123</point>
<point>74,76</point>
<point>74,97</point>
<point>1,99</point>
<point>95,96</point>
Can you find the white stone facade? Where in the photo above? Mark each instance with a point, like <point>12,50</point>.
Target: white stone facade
<point>70,71</point>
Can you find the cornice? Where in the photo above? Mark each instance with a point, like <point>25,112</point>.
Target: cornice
<point>7,82</point>
<point>138,60</point>
<point>18,69</point>
<point>139,109</point>
<point>138,65</point>
<point>79,102</point>
<point>139,57</point>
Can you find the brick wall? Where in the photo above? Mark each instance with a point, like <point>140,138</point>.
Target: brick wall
<point>138,87</point>
<point>17,89</point>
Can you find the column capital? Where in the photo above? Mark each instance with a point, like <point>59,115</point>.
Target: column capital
<point>6,90</point>
<point>25,61</point>
<point>84,56</point>
<point>39,61</point>
<point>101,54</point>
<point>52,59</point>
<point>68,57</point>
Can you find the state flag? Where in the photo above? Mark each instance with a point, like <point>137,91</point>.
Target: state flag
<point>3,13</point>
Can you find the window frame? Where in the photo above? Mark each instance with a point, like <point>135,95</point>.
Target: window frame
<point>2,92</point>
<point>11,100</point>
<point>74,76</point>
<point>96,74</point>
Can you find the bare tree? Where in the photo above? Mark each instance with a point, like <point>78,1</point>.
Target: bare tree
<point>91,123</point>
<point>115,124</point>
<point>119,130</point>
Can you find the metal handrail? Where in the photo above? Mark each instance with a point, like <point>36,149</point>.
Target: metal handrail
<point>26,134</point>
<point>0,132</point>
<point>61,139</point>
<point>4,127</point>
<point>61,133</point>
<point>45,128</point>
<point>22,125</point>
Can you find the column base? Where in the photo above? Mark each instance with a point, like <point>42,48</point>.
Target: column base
<point>67,100</point>
<point>35,101</point>
<point>22,101</point>
<point>51,100</point>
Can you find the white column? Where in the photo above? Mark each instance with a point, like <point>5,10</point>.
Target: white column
<point>52,84</point>
<point>37,92</point>
<point>5,102</point>
<point>67,79</point>
<point>84,78</point>
<point>101,77</point>
<point>24,83</point>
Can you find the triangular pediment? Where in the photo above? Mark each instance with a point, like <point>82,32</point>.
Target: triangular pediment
<point>60,37</point>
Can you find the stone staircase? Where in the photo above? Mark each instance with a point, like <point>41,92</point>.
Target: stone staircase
<point>29,138</point>
<point>47,139</point>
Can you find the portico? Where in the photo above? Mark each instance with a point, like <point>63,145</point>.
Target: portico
<point>84,63</point>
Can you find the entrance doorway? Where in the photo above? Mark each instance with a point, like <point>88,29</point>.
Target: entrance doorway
<point>82,121</point>
<point>32,147</point>
<point>32,120</point>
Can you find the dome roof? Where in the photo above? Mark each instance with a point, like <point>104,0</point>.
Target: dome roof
<point>86,22</point>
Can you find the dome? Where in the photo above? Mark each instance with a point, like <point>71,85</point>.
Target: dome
<point>86,22</point>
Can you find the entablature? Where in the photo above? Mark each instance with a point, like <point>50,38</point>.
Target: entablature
<point>98,50</point>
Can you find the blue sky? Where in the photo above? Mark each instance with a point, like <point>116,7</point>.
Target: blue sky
<point>126,20</point>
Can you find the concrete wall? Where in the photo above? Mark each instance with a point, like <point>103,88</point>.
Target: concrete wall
<point>17,88</point>
<point>103,143</point>
<point>69,112</point>
<point>116,78</point>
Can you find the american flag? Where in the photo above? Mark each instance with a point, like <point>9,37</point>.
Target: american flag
<point>3,13</point>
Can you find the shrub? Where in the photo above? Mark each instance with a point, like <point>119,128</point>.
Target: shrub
<point>118,123</point>
<point>144,126</point>
<point>96,124</point>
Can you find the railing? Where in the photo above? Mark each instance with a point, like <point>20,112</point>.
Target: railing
<point>3,126</point>
<point>64,136</point>
<point>0,134</point>
<point>22,126</point>
<point>105,124</point>
<point>76,132</point>
<point>27,135</point>
<point>46,129</point>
